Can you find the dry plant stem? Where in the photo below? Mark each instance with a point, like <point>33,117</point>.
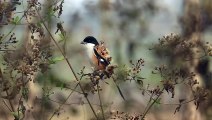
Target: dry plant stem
<point>100,101</point>
<point>7,106</point>
<point>11,105</point>
<point>154,100</point>
<point>64,45</point>
<point>69,64</point>
<point>74,89</point>
<point>150,106</point>
<point>61,105</point>
<point>150,99</point>
<point>7,50</point>
<point>186,102</point>
<point>13,27</point>
<point>63,102</point>
<point>120,92</point>
<point>8,33</point>
<point>18,109</point>
<point>77,103</point>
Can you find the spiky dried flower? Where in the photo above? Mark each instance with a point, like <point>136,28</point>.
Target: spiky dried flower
<point>6,11</point>
<point>182,48</point>
<point>169,87</point>
<point>59,8</point>
<point>133,73</point>
<point>60,28</point>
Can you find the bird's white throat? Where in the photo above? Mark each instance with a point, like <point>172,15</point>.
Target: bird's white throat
<point>89,48</point>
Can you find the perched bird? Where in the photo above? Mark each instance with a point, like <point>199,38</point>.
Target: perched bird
<point>97,53</point>
<point>99,57</point>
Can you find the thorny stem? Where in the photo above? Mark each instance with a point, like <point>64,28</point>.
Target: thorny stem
<point>69,64</point>
<point>100,101</point>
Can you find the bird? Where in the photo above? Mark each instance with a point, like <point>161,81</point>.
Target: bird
<point>99,57</point>
<point>97,53</point>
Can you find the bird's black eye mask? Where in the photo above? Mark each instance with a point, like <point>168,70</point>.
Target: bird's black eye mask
<point>100,58</point>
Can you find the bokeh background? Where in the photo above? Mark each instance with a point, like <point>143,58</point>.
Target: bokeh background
<point>129,28</point>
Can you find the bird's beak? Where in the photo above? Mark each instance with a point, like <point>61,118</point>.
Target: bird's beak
<point>82,42</point>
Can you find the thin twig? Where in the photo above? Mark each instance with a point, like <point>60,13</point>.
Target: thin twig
<point>100,101</point>
<point>7,106</point>
<point>19,106</point>
<point>120,92</point>
<point>69,103</point>
<point>11,105</point>
<point>74,89</point>
<point>179,103</point>
<point>61,105</point>
<point>154,100</point>
<point>150,99</point>
<point>5,36</point>
<point>150,106</point>
<point>7,50</point>
<point>69,64</point>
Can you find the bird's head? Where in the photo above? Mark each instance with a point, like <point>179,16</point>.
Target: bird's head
<point>90,41</point>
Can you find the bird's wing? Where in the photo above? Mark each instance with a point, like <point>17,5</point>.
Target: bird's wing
<point>101,58</point>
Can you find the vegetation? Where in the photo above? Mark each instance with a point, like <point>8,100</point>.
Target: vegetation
<point>35,42</point>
